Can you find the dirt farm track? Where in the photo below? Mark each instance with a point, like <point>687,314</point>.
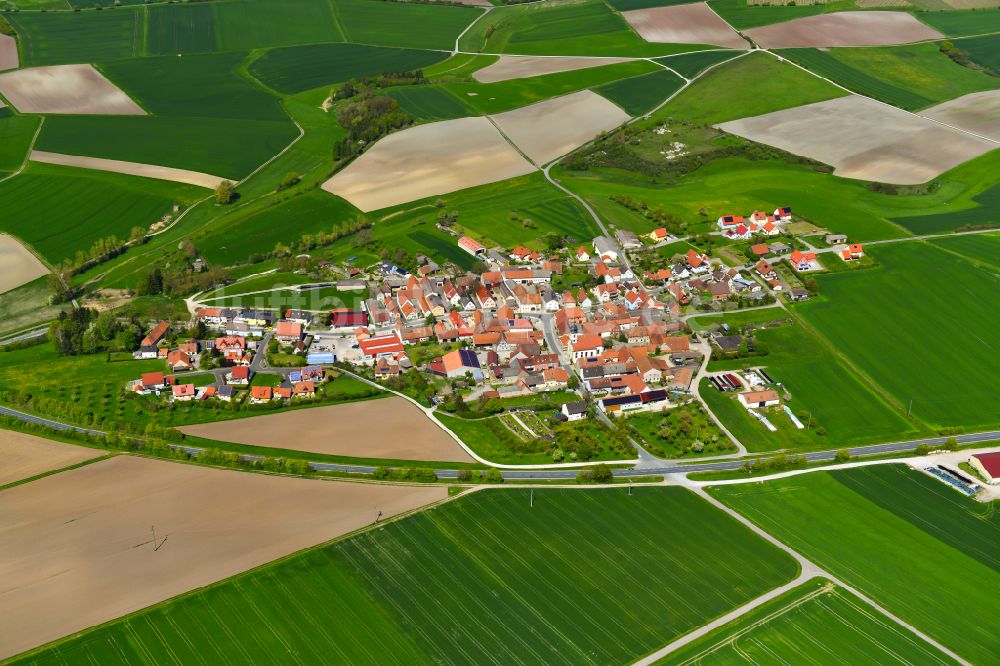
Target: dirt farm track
<point>390,428</point>
<point>76,548</point>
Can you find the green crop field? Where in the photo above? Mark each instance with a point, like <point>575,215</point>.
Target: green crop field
<point>959,23</point>
<point>986,212</point>
<point>816,623</point>
<point>195,86</point>
<point>16,133</point>
<point>172,29</point>
<point>68,37</point>
<point>979,247</point>
<point>640,94</point>
<point>985,51</point>
<point>61,210</point>
<point>229,148</point>
<point>506,95</point>
<point>762,84</point>
<point>819,385</point>
<point>945,566</point>
<point>298,68</point>
<point>879,318</point>
<point>430,103</point>
<point>474,580</point>
<point>629,5</point>
<point>911,77</point>
<point>284,222</point>
<point>408,24</point>
<point>315,300</point>
<point>690,64</point>
<point>741,15</point>
<point>568,28</point>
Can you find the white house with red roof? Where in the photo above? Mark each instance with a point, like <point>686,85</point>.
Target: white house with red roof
<point>987,464</point>
<point>473,247</point>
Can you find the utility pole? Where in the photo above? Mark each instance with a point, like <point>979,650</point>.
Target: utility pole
<point>531,499</point>
<point>908,409</point>
<point>630,487</point>
<point>378,516</point>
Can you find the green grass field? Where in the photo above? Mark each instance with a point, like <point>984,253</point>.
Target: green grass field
<point>911,77</point>
<point>959,23</point>
<point>820,385</point>
<point>984,50</point>
<point>298,68</point>
<point>883,318</point>
<point>324,298</point>
<point>741,15</point>
<point>60,210</point>
<point>16,133</point>
<point>986,212</point>
<point>67,37</point>
<point>481,579</point>
<point>430,103</point>
<point>640,94</point>
<point>942,545</point>
<point>762,84</point>
<point>562,28</point>
<point>690,64</point>
<point>410,25</point>
<point>224,147</point>
<point>979,247</point>
<point>284,222</point>
<point>816,623</point>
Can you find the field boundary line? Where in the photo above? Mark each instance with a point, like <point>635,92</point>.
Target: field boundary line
<point>486,10</point>
<point>27,155</point>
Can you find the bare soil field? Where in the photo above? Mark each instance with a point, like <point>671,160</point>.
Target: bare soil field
<point>426,160</point>
<point>871,28</point>
<point>972,4</point>
<point>8,53</point>
<point>26,455</point>
<point>76,548</point>
<point>385,428</point>
<point>17,265</point>
<point>76,89</point>
<point>977,112</point>
<point>128,168</point>
<point>523,67</point>
<point>684,24</point>
<point>864,139</point>
<point>549,129</point>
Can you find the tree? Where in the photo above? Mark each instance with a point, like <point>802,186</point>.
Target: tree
<point>922,450</point>
<point>493,475</point>
<point>224,193</point>
<point>951,444</point>
<point>843,455</point>
<point>602,474</point>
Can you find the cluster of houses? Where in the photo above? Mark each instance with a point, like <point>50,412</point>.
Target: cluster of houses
<point>757,223</point>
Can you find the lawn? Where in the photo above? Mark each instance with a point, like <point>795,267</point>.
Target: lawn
<point>260,229</point>
<point>562,28</point>
<point>325,298</point>
<point>16,133</point>
<point>942,545</point>
<point>474,580</point>
<point>641,94</point>
<point>911,77</point>
<point>690,64</point>
<point>818,384</point>
<point>47,38</point>
<point>61,210</point>
<point>880,318</point>
<point>298,68</point>
<point>226,147</point>
<point>816,623</point>
<point>760,81</point>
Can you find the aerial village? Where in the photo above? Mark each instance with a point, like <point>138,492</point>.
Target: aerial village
<point>605,321</point>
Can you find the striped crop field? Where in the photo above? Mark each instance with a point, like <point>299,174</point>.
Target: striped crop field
<point>816,623</point>
<point>942,545</point>
<point>500,576</point>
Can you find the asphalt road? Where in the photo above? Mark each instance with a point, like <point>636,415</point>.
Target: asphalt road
<point>669,468</point>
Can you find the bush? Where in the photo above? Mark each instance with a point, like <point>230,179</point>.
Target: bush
<point>843,455</point>
<point>493,475</point>
<point>463,475</point>
<point>602,474</point>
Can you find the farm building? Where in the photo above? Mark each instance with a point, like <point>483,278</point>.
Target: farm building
<point>380,345</point>
<point>458,362</point>
<point>148,346</point>
<point>605,248</point>
<point>987,464</point>
<point>574,411</point>
<point>471,246</point>
<point>758,398</point>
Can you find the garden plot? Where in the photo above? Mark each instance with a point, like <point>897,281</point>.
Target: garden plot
<point>864,139</point>
<point>17,264</point>
<point>684,24</point>
<point>128,168</point>
<point>78,549</point>
<point>872,28</point>
<point>547,130</point>
<point>8,53</point>
<point>70,89</point>
<point>977,112</point>
<point>423,161</point>
<point>25,456</point>
<point>523,67</point>
<point>390,428</point>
